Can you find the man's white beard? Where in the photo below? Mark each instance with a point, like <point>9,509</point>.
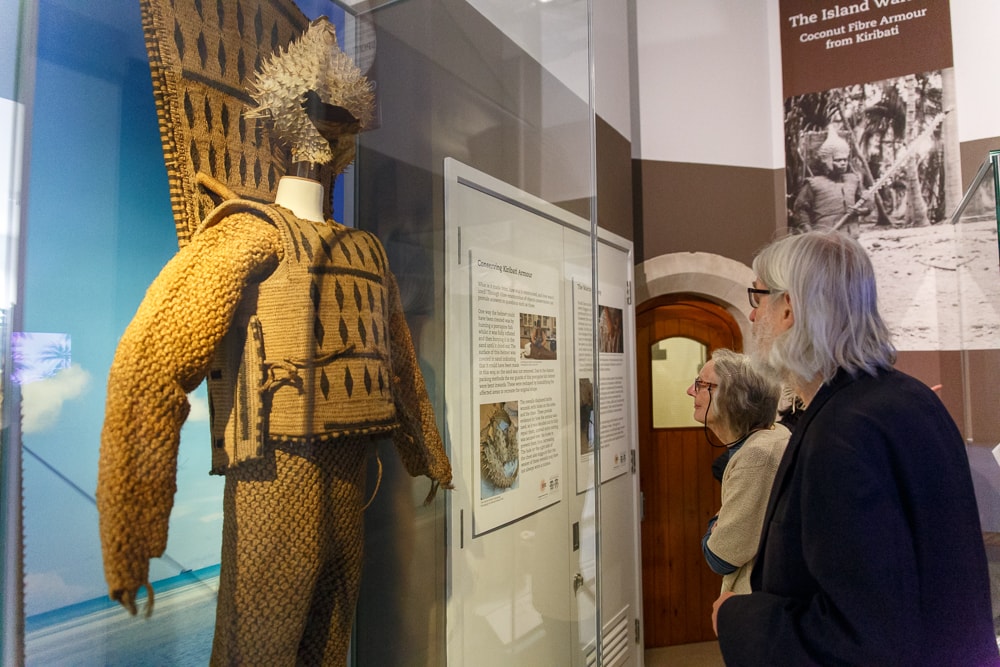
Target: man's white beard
<point>763,341</point>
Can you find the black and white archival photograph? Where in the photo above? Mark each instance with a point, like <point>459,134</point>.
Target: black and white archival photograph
<point>880,161</point>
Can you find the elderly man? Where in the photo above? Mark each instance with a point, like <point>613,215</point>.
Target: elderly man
<point>872,552</point>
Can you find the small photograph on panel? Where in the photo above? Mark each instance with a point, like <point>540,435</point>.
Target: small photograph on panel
<point>538,336</point>
<point>611,330</point>
<point>499,455</point>
<point>586,416</point>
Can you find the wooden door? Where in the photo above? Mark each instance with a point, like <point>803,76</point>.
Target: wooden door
<point>675,478</point>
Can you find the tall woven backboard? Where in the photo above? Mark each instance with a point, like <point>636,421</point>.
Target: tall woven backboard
<point>201,54</point>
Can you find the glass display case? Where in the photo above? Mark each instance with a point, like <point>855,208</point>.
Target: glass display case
<point>500,91</point>
<point>978,285</point>
<point>977,281</point>
<point>16,84</point>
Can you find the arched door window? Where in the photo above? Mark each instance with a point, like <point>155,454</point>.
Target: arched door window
<point>674,363</point>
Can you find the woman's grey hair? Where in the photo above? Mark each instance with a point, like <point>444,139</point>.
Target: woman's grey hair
<point>748,392</point>
<point>830,282</point>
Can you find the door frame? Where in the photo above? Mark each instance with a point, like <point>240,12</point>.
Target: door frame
<point>715,278</point>
<point>678,491</point>
<point>695,276</point>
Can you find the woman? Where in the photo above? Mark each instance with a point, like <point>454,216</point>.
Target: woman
<point>739,403</point>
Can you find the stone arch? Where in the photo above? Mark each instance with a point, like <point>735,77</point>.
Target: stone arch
<point>713,277</point>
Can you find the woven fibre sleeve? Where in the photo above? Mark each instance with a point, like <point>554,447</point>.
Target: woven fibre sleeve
<point>164,354</point>
<point>417,439</point>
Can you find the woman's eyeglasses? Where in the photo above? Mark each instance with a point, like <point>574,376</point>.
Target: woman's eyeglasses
<point>700,384</point>
<point>754,295</point>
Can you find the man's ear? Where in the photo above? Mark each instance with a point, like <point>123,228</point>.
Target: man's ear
<point>786,316</point>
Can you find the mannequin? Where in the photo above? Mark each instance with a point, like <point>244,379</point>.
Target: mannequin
<point>302,194</point>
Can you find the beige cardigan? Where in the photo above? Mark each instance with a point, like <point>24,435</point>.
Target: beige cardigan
<point>746,487</point>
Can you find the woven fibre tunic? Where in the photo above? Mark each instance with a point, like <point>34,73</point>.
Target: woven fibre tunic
<point>309,356</point>
<point>746,485</point>
<point>178,334</point>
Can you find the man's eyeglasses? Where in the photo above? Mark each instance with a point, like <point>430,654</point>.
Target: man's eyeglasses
<point>700,384</point>
<point>754,295</point>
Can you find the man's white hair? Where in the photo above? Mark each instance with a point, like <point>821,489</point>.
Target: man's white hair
<point>830,282</point>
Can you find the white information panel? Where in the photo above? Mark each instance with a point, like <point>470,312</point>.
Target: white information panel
<point>522,426</point>
<point>615,374</point>
<point>518,388</point>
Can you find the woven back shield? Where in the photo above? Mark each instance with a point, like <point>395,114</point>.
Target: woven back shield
<point>201,54</point>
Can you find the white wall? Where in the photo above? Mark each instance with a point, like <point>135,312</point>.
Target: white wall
<point>709,82</point>
<point>974,28</point>
<point>709,79</point>
<point>555,33</point>
<point>612,97</point>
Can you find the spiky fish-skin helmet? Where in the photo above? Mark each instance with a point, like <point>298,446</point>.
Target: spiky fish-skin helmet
<point>834,147</point>
<point>313,67</point>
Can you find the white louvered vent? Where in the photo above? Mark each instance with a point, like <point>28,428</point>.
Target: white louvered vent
<point>617,642</point>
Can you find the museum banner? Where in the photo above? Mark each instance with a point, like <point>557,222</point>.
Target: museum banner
<point>872,150</point>
<point>827,45</point>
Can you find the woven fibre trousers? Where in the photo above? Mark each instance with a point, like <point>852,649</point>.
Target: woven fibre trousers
<point>291,556</point>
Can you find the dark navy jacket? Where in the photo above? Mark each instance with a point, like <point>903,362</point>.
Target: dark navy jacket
<point>872,551</point>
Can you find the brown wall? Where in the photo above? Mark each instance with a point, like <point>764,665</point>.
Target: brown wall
<point>729,211</point>
<point>614,184</point>
<point>944,368</point>
<point>973,154</point>
<point>614,181</point>
<point>938,368</point>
